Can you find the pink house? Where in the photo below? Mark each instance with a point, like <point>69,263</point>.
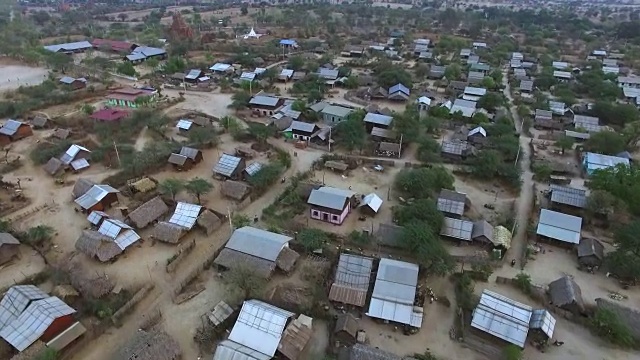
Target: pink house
<point>330,204</point>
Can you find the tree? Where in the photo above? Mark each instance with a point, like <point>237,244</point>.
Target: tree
<point>408,123</point>
<point>615,114</point>
<point>606,142</point>
<point>351,82</point>
<point>621,181</point>
<point>624,261</point>
<point>39,234</point>
<point>240,220</point>
<point>312,239</point>
<point>452,72</point>
<point>198,187</point>
<point>260,132</point>
<point>295,63</point>
<point>244,281</point>
<point>488,83</point>
<point>490,101</point>
<point>299,105</point>
<point>486,164</point>
<point>523,282</point>
<point>126,68</point>
<point>122,16</point>
<point>496,75</point>
<point>428,150</point>
<point>565,142</point>
<point>422,71</point>
<point>511,352</point>
<point>201,136</point>
<point>424,182</point>
<point>351,133</point>
<point>58,61</point>
<point>240,100</point>
<point>601,202</point>
<point>47,353</point>
<point>423,242</point>
<point>606,323</point>
<point>244,10</point>
<point>265,177</point>
<point>423,210</point>
<point>171,187</point>
<point>88,109</point>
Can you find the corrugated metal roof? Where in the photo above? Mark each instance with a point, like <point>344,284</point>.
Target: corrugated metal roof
<point>229,350</point>
<point>302,126</point>
<point>451,202</point>
<point>478,130</point>
<point>185,215</point>
<point>466,107</point>
<point>399,88</point>
<point>247,76</point>
<point>562,74</point>
<point>543,320</point>
<point>354,271</point>
<point>559,226</point>
<point>394,293</point>
<point>257,242</point>
<point>454,147</point>
<point>34,321</point>
<point>264,100</point>
<point>96,216</point>
<point>560,65</point>
<point>94,195</point>
<point>286,73</point>
<point>502,317</point>
<point>456,228</point>
<point>71,153</point>
<point>220,67</point>
<point>378,119</point>
<point>568,195</point>
<point>336,110</point>
<point>470,90</point>
<point>16,300</point>
<point>78,45</point>
<point>227,165</point>
<point>10,127</point>
<point>260,326</point>
<point>193,74</point>
<point>595,161</point>
<point>184,124</point>
<point>253,168</point>
<point>329,197</point>
<point>79,164</point>
<point>373,201</point>
<point>329,74</point>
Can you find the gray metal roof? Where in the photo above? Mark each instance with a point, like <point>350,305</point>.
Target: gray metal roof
<point>373,201</point>
<point>599,161</point>
<point>354,271</point>
<point>96,216</point>
<point>257,242</point>
<point>8,239</point>
<point>475,91</point>
<point>260,326</point>
<point>10,127</point>
<point>329,197</point>
<point>454,147</point>
<point>568,195</point>
<point>502,317</point>
<point>466,107</point>
<point>336,110</point>
<point>526,85</point>
<point>456,228</point>
<point>562,74</point>
<point>394,293</point>
<point>302,126</point>
<point>543,320</point>
<point>78,45</point>
<point>590,247</point>
<point>543,114</point>
<point>383,133</point>
<point>193,74</point>
<point>452,202</point>
<point>229,350</point>
<point>559,226</point>
<point>253,169</point>
<point>94,195</point>
<point>71,153</point>
<point>329,74</point>
<point>148,51</point>
<point>227,165</point>
<point>79,164</point>
<point>185,215</point>
<point>16,300</point>
<point>482,228</point>
<point>378,119</point>
<point>264,100</point>
<point>189,152</point>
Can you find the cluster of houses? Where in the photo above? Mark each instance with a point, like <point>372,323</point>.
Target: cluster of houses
<point>135,53</point>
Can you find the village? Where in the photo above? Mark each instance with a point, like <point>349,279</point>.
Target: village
<point>235,182</point>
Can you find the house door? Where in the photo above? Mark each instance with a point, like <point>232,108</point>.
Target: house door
<point>325,216</point>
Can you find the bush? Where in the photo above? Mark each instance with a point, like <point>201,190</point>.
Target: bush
<point>511,352</point>
<point>46,150</point>
<point>312,239</point>
<point>607,324</point>
<point>523,282</point>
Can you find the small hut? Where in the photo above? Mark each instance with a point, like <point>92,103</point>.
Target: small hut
<point>295,337</point>
<point>209,221</point>
<point>235,190</point>
<point>61,133</point>
<point>40,122</point>
<point>566,294</point>
<point>287,259</point>
<point>168,232</point>
<point>346,329</point>
<point>148,212</point>
<point>53,167</point>
<point>590,252</point>
<point>9,248</point>
<point>89,284</point>
<point>154,345</point>
<point>336,165</point>
<point>96,245</point>
<point>143,185</point>
<point>81,187</point>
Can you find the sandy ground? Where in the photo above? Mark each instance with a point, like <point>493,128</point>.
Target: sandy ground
<point>14,76</point>
<point>29,263</point>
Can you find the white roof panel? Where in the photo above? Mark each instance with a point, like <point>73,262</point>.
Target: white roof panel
<point>329,197</point>
<point>257,242</point>
<point>79,164</point>
<point>559,226</point>
<point>543,320</point>
<point>260,326</point>
<point>71,153</point>
<point>392,311</point>
<point>184,124</point>
<point>112,227</point>
<point>378,119</point>
<point>227,164</point>
<point>373,201</point>
<point>229,350</point>
<point>502,317</point>
<point>126,239</point>
<point>96,216</point>
<point>16,300</point>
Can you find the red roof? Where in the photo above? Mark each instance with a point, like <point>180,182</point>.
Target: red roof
<point>109,115</point>
<point>115,45</point>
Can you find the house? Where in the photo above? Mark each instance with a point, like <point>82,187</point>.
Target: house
<point>13,130</point>
<point>334,114</point>
<point>590,253</point>
<point>424,103</point>
<point>81,187</point>
<point>111,239</point>
<point>589,123</point>
<point>611,70</point>
<point>109,115</point>
<point>351,282</point>
<point>220,68</point>
<point>148,212</point>
<point>149,345</point>
<point>301,130</point>
<point>380,121</point>
<point>558,108</point>
<point>235,190</point>
<point>526,86</point>
<point>394,293</point>
<point>73,83</point>
<point>186,159</point>
<point>288,43</point>
<point>265,105</point>
<point>520,74</point>
<point>471,93</point>
<point>256,334</point>
<point>477,136</point>
<point>480,67</point>
<point>247,76</point>
<point>73,153</point>
<point>295,337</point>
<point>457,87</point>
<point>113,45</point>
<point>330,204</point>
<point>457,229</point>
<point>129,97</point>
<point>286,75</point>
<point>260,250</point>
<point>592,162</point>
<point>475,77</point>
<point>629,81</point>
<point>560,65</point>
<point>28,315</point>
<point>371,204</point>
<point>517,56</point>
<point>566,294</point>
<point>399,92</point>
<point>353,51</point>
<point>465,53</point>
<point>599,53</point>
<point>483,232</point>
<point>544,119</point>
<point>328,74</point>
<point>40,122</point>
<point>456,150</point>
<point>346,329</point>
<point>479,45</point>
<point>252,169</point>
<point>69,48</point>
<point>436,72</point>
<point>389,235</point>
<point>562,75</point>
<point>229,166</point>
<point>560,227</point>
<point>466,108</point>
<point>565,195</point>
<point>509,321</point>
<point>9,248</point>
<point>452,203</point>
<point>185,215</point>
<point>365,352</point>
<point>97,217</point>
<point>142,53</point>
<point>473,59</point>
<point>378,93</point>
<point>98,197</point>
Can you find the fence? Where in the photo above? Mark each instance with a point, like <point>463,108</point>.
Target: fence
<point>131,303</point>
<point>195,273</point>
<point>180,255</point>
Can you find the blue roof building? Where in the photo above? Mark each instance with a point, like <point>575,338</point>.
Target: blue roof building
<point>399,92</point>
<point>592,162</point>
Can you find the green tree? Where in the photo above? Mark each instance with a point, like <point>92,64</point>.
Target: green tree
<point>265,177</point>
<point>39,234</point>
<point>452,72</point>
<point>488,83</point>
<point>422,241</point>
<point>299,105</point>
<point>496,75</point>
<point>621,181</point>
<point>260,132</point>
<point>126,68</point>
<point>407,123</point>
<point>607,324</point>
<point>240,100</point>
<point>615,114</point>
<point>58,61</point>
<point>511,352</point>
<point>240,220</point>
<point>624,261</point>
<point>565,142</point>
<point>487,164</point>
<point>198,187</point>
<point>422,71</point>
<point>423,210</point>
<point>351,133</point>
<point>601,202</point>
<point>295,63</point>
<point>523,282</point>
<point>312,239</point>
<point>200,136</point>
<point>491,101</point>
<point>244,9</point>
<point>171,187</point>
<point>428,150</point>
<point>606,142</point>
<point>244,282</point>
<point>88,109</point>
<point>423,182</point>
<point>47,353</point>
<point>351,82</point>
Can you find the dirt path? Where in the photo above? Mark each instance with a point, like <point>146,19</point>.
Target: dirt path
<point>141,141</point>
<point>525,201</point>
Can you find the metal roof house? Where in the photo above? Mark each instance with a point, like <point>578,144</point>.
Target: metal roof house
<point>28,314</point>
<point>371,203</point>
<point>560,65</point>
<point>592,162</point>
<point>509,320</point>
<point>394,293</point>
<point>302,130</point>
<point>265,105</point>
<point>256,333</point>
<point>483,232</point>
<point>436,72</point>
<point>372,120</point>
<point>558,226</point>
<point>565,195</point>
<point>399,92</point>
<point>457,229</point>
<point>526,86</point>
<point>13,130</point>
<point>98,197</point>
<point>73,47</point>
<point>352,280</point>
<point>330,204</point>
<point>589,123</point>
<point>229,166</point>
<point>334,114</point>
<point>452,203</point>
<point>466,107</point>
<point>186,159</point>
<point>74,152</point>
<point>185,215</point>
<point>258,249</point>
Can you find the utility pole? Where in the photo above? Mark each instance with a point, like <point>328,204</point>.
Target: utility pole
<point>229,216</point>
<point>400,147</point>
<point>117,153</point>
<point>329,138</point>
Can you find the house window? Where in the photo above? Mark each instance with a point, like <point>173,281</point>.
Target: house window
<point>315,213</point>
<point>334,217</point>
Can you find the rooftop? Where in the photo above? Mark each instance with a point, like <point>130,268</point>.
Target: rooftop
<point>227,165</point>
<point>457,229</point>
<point>257,242</point>
<point>394,293</point>
<point>329,197</point>
<point>595,161</point>
<point>263,100</point>
<point>559,226</point>
<point>502,317</point>
<point>452,202</point>
<point>568,196</point>
<point>73,46</point>
<point>352,279</point>
<point>378,119</point>
<point>336,110</point>
<point>260,326</point>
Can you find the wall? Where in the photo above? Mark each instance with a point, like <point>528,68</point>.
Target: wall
<point>340,219</point>
<point>57,326</point>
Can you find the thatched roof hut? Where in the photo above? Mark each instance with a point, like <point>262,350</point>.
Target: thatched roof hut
<point>565,293</point>
<point>81,187</point>
<point>346,329</point>
<point>61,133</point>
<point>336,165</point>
<point>235,189</point>
<point>148,212</point>
<point>153,345</point>
<point>53,166</point>
<point>96,245</point>
<point>143,185</point>
<point>40,122</point>
<point>231,259</point>
<point>89,284</point>
<point>168,232</point>
<point>287,259</point>
<point>209,221</point>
